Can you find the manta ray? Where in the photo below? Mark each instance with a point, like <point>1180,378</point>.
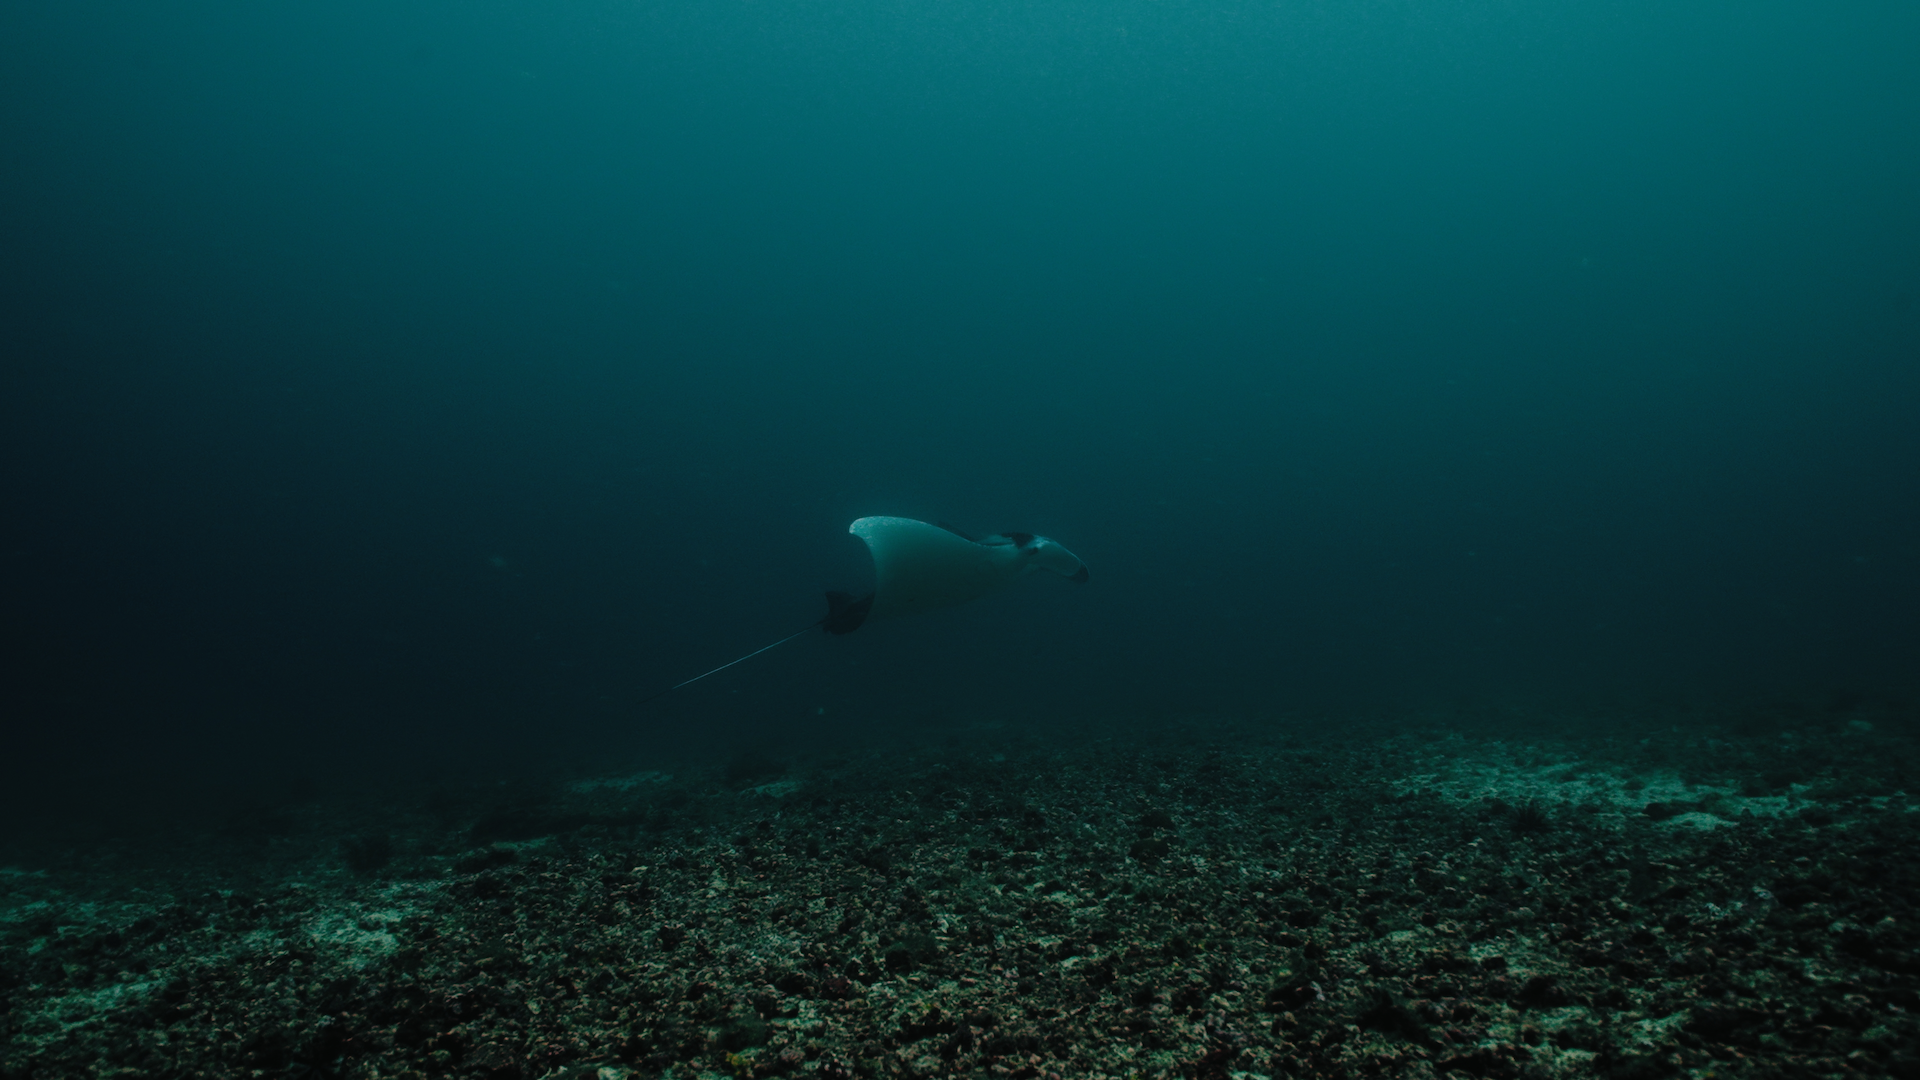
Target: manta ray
<point>919,567</point>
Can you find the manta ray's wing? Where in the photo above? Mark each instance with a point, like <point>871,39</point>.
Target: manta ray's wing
<point>961,533</point>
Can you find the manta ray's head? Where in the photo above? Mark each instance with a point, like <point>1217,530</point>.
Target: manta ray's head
<point>1043,553</point>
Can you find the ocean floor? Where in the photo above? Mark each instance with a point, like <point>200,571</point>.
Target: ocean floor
<point>1205,899</point>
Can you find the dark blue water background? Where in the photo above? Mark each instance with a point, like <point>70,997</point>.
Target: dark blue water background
<point>399,387</point>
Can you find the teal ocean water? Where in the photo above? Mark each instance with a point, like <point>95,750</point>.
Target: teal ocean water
<point>398,400</point>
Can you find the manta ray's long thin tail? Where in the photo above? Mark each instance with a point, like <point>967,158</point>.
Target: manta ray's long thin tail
<point>729,663</point>
<point>844,615</point>
<point>749,656</point>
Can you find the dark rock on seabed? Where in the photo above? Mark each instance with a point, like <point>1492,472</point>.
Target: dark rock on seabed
<point>1623,899</point>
